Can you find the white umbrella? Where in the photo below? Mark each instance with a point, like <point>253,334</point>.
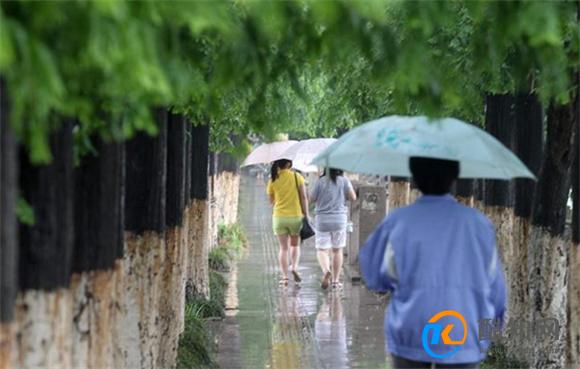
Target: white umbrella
<point>304,151</point>
<point>384,146</point>
<point>267,153</point>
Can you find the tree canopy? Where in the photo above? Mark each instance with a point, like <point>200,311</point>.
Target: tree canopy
<point>308,67</point>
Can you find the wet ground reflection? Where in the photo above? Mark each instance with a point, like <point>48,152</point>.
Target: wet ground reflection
<point>330,331</point>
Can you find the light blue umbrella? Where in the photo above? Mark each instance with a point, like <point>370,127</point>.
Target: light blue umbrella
<point>383,147</point>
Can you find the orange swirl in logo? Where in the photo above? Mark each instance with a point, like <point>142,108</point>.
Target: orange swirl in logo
<point>445,334</point>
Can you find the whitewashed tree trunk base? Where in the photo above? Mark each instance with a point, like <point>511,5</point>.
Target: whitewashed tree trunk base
<point>548,294</point>
<point>43,329</point>
<point>199,238</point>
<point>399,193</point>
<point>574,307</point>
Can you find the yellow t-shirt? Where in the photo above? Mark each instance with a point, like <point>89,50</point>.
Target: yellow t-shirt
<point>286,200</point>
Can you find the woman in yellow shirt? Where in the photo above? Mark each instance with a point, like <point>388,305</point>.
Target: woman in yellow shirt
<point>287,193</point>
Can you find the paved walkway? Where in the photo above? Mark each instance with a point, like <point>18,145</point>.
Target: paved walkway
<point>296,327</point>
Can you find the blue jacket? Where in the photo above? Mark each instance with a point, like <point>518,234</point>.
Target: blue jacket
<point>435,255</point>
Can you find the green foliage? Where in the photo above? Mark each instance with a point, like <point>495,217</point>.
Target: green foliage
<point>25,212</point>
<point>214,307</point>
<point>194,343</point>
<point>219,259</point>
<point>503,46</point>
<point>499,358</point>
<point>233,237</point>
<point>310,68</point>
<point>231,245</point>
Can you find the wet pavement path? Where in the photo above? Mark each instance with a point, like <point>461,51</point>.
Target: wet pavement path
<point>298,326</point>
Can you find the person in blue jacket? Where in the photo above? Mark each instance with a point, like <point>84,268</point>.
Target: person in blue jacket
<point>440,262</point>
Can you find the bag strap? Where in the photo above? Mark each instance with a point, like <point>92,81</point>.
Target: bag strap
<point>298,191</point>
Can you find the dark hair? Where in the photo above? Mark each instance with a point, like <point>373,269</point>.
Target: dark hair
<point>281,163</point>
<point>333,173</point>
<point>433,176</point>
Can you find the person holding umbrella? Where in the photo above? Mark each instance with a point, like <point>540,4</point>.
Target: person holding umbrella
<point>436,256</point>
<point>287,192</point>
<point>330,193</point>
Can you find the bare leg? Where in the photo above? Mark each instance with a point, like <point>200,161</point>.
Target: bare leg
<point>336,264</point>
<point>324,260</point>
<point>295,251</point>
<point>283,255</point>
<point>323,257</point>
<point>295,255</point>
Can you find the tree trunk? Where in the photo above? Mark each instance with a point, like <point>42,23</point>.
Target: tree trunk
<point>464,191</point>
<point>46,248</point>
<point>8,220</point>
<point>146,170</point>
<point>44,306</point>
<point>176,169</point>
<point>99,219</point>
<point>227,163</point>
<point>479,194</point>
<point>213,199</point>
<point>198,283</point>
<point>414,192</point>
<point>529,143</point>
<point>574,290</point>
<point>229,187</point>
<point>548,250</point>
<point>8,230</point>
<point>174,267</point>
<point>199,162</point>
<point>399,192</point>
<point>498,198</point>
<point>99,223</point>
<point>145,249</point>
<point>188,234</point>
<point>188,160</point>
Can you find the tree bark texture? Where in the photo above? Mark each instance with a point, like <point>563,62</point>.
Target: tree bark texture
<point>199,162</point>
<point>44,305</point>
<point>8,219</point>
<point>464,191</point>
<point>175,262</point>
<point>145,248</point>
<point>227,163</point>
<point>399,192</point>
<point>176,169</point>
<point>529,144</point>
<point>414,192</point>
<point>498,197</point>
<point>199,214</point>
<point>46,248</point>
<point>146,173</point>
<point>99,215</point>
<point>548,252</point>
<point>8,229</point>
<point>574,287</point>
<point>112,312</point>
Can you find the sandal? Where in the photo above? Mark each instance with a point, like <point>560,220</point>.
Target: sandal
<point>283,282</point>
<point>325,280</point>
<point>337,286</point>
<point>296,276</point>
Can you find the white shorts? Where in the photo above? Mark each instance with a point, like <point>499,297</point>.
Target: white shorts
<point>326,240</point>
